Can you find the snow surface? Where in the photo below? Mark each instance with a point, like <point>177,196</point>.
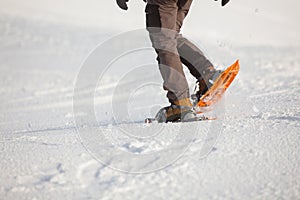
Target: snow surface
<point>256,155</point>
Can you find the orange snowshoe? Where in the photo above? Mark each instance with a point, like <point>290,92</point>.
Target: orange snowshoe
<point>220,85</point>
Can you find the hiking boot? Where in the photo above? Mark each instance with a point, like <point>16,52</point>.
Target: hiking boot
<point>203,85</point>
<point>180,110</point>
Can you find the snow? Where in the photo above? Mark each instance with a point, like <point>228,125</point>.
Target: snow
<point>250,152</point>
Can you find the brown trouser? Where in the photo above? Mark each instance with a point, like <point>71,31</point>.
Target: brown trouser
<point>164,19</point>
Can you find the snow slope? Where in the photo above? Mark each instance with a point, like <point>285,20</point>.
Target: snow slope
<point>256,154</point>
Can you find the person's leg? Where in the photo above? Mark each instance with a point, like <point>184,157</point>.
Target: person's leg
<point>191,56</point>
<point>161,19</point>
<point>183,9</point>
